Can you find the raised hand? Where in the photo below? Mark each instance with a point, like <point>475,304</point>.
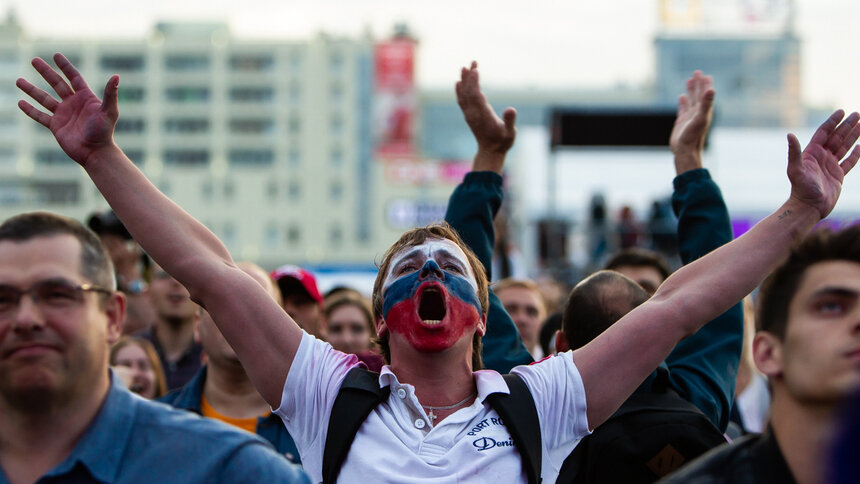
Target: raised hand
<point>80,121</point>
<point>816,173</point>
<point>695,111</point>
<point>494,135</point>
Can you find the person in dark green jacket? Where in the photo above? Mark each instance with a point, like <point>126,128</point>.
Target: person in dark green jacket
<point>701,368</point>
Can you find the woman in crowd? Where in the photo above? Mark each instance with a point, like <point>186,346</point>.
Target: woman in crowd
<point>135,361</point>
<point>350,328</point>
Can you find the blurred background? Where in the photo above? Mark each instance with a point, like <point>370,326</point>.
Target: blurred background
<point>315,132</point>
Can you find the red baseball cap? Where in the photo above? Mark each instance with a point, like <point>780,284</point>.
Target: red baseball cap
<point>305,278</point>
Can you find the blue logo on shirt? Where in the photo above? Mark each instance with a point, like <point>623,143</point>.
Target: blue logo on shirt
<point>487,443</point>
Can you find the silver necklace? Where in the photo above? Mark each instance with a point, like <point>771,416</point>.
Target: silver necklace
<point>432,415</point>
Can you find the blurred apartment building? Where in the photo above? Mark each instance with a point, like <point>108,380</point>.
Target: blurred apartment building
<point>270,144</point>
<point>321,152</point>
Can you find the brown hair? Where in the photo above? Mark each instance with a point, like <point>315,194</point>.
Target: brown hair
<point>639,257</point>
<point>418,236</point>
<point>151,355</point>
<point>96,265</point>
<point>779,288</point>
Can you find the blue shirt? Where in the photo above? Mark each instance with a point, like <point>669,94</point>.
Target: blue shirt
<point>133,440</point>
<point>190,397</point>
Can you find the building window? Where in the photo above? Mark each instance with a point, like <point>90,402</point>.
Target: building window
<point>187,94</point>
<point>271,235</point>
<point>252,94</point>
<point>11,193</point>
<point>55,192</point>
<point>8,62</point>
<point>336,124</point>
<point>186,125</point>
<point>8,157</point>
<point>129,125</point>
<point>335,235</point>
<point>336,93</point>
<point>295,61</point>
<point>251,126</point>
<point>336,157</point>
<point>294,191</point>
<point>9,126</point>
<point>336,62</point>
<point>251,62</point>
<point>52,157</point>
<point>186,157</point>
<point>206,190</point>
<point>272,190</point>
<point>335,191</point>
<point>187,62</point>
<point>295,93</point>
<point>126,63</point>
<point>130,94</point>
<point>135,155</point>
<point>229,236</point>
<point>294,125</point>
<point>294,235</point>
<point>251,157</point>
<point>294,158</point>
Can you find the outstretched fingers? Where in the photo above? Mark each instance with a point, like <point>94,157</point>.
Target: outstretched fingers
<point>844,136</point>
<point>34,113</point>
<point>72,74</point>
<point>54,80</point>
<point>851,161</point>
<point>39,95</point>
<point>822,134</point>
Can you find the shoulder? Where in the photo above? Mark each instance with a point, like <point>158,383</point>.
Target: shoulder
<point>161,419</point>
<point>730,462</point>
<point>188,396</point>
<point>164,440</point>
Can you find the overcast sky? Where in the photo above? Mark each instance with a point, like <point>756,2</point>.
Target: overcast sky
<point>518,43</point>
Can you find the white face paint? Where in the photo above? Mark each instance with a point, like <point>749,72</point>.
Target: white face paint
<point>448,255</point>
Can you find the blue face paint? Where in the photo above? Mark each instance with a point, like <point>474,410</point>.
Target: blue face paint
<point>402,300</point>
<point>405,287</point>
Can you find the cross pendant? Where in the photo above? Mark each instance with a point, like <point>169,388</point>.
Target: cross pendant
<point>432,417</point>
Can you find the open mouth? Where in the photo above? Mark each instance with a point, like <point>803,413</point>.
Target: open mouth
<point>431,306</point>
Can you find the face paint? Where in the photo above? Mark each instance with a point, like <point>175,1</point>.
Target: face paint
<point>447,254</point>
<point>432,306</point>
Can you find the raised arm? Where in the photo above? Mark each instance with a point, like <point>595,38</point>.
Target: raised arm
<point>703,366</point>
<point>83,126</point>
<point>617,361</point>
<point>474,204</point>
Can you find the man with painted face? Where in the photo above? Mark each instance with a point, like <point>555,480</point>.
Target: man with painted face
<point>431,349</point>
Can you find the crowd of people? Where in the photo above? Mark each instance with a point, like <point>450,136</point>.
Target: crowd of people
<point>640,374</point>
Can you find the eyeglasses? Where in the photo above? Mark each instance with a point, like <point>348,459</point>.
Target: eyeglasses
<point>48,294</point>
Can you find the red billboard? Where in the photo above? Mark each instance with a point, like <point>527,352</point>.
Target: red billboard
<point>395,100</point>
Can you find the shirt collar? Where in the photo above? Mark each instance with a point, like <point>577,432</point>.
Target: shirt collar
<point>101,448</point>
<point>487,381</point>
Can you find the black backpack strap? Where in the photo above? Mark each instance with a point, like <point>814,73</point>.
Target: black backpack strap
<point>519,414</point>
<point>358,396</point>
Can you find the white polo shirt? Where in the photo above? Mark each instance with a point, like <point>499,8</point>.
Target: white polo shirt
<point>398,444</point>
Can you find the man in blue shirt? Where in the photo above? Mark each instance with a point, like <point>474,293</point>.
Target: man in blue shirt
<point>63,416</point>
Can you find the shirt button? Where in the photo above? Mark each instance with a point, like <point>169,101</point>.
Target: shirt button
<point>419,424</point>
<point>401,393</point>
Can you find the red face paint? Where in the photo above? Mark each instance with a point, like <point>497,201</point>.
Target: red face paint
<point>431,306</point>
